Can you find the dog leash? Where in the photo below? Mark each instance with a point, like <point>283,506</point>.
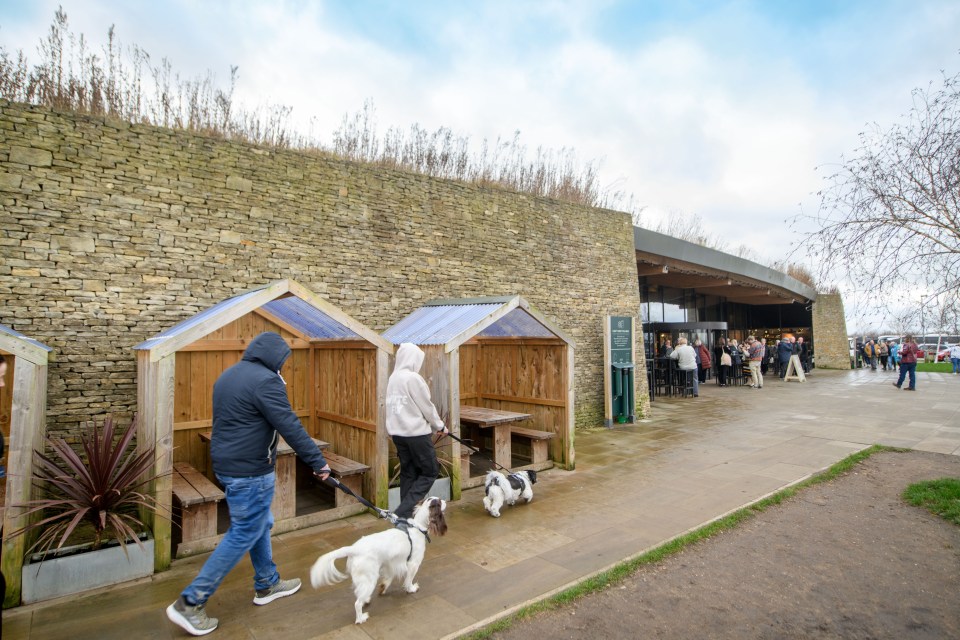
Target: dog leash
<point>383,513</point>
<point>475,450</point>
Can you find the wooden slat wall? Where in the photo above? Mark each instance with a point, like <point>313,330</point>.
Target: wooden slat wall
<point>469,374</point>
<point>199,366</point>
<point>346,386</point>
<point>527,377</point>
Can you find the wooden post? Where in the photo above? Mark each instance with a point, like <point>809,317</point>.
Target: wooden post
<point>155,392</point>
<point>27,431</point>
<point>569,451</point>
<point>453,423</point>
<point>381,475</point>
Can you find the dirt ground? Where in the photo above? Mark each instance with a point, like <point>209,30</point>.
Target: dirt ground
<point>843,559</point>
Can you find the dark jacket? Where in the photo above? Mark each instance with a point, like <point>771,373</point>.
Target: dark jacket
<point>784,350</point>
<point>251,411</point>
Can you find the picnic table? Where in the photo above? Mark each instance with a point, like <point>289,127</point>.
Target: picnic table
<point>500,422</point>
<point>284,503</point>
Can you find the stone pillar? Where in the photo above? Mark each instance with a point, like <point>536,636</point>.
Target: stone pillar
<point>830,345</point>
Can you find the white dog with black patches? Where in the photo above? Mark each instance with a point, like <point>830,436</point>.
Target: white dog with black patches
<point>500,489</point>
<point>381,558</point>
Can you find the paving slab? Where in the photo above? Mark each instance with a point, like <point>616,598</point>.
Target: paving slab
<point>635,487</point>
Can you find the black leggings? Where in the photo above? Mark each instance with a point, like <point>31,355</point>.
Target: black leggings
<point>418,469</point>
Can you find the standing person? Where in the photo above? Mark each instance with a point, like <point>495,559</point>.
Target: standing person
<point>411,420</point>
<point>754,360</point>
<point>784,351</point>
<point>686,359</point>
<point>884,352</point>
<point>719,351</point>
<point>705,361</point>
<point>870,354</point>
<point>666,350</point>
<point>908,363</point>
<point>251,411</point>
<point>954,358</point>
<point>894,357</point>
<point>804,353</point>
<point>767,357</point>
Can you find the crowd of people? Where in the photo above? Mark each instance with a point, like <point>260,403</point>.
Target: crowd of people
<point>728,357</point>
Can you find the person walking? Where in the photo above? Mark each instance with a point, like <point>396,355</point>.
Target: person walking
<point>686,359</point>
<point>411,420</point>
<point>955,358</point>
<point>908,363</point>
<point>251,411</point>
<point>766,357</point>
<point>754,360</point>
<point>884,351</point>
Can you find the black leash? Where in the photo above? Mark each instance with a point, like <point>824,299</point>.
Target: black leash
<point>383,513</point>
<point>475,450</point>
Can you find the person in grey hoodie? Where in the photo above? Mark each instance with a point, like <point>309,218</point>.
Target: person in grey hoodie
<point>250,413</point>
<point>411,420</point>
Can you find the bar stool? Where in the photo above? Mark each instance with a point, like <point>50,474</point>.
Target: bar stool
<point>684,381</point>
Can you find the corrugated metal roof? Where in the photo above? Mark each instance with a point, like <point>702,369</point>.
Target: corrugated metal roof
<point>16,334</point>
<point>311,321</point>
<point>517,324</point>
<point>438,324</point>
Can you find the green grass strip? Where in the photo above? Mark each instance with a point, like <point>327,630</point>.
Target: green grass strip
<point>938,367</point>
<point>623,570</point>
<point>939,497</point>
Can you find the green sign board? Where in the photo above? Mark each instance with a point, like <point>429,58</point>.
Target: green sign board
<point>621,340</point>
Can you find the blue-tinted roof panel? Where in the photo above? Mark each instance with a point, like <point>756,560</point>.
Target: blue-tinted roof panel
<point>438,325</point>
<point>311,321</point>
<point>517,324</point>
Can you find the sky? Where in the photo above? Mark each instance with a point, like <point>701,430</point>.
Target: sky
<point>730,112</point>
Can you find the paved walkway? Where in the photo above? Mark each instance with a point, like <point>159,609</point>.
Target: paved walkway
<point>634,488</point>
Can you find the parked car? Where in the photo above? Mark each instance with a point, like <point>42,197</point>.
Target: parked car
<point>944,354</point>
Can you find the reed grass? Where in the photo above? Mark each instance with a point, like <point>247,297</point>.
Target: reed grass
<point>127,83</point>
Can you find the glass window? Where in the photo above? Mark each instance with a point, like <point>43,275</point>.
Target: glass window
<point>673,305</point>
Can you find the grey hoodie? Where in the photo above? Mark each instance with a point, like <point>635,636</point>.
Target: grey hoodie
<point>409,409</point>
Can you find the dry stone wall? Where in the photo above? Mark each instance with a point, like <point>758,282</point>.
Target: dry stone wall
<point>112,233</point>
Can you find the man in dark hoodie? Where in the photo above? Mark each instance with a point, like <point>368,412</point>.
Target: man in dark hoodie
<point>251,411</point>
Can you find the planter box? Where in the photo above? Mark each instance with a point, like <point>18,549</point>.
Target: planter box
<point>85,570</point>
<point>440,489</point>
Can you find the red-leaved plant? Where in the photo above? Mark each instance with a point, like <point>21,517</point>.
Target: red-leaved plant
<point>103,488</point>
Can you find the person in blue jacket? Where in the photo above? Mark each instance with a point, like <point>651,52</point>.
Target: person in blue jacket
<point>251,411</point>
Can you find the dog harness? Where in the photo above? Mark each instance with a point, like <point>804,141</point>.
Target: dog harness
<point>404,525</point>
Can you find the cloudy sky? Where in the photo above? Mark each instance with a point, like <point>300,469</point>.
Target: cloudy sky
<point>723,110</point>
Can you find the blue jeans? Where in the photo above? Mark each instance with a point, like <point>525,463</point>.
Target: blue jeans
<point>250,522</point>
<point>956,364</point>
<point>912,368</point>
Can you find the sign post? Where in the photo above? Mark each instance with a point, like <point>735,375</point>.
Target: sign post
<point>618,371</point>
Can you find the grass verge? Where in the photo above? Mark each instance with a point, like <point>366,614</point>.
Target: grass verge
<point>621,571</point>
<point>939,497</point>
<point>938,367</point>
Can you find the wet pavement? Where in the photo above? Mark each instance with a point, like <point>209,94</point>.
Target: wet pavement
<point>635,487</point>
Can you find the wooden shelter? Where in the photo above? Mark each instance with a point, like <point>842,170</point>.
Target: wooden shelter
<point>336,380</point>
<point>23,410</point>
<point>497,353</point>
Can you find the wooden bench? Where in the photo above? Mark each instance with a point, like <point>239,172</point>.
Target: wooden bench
<point>197,500</point>
<point>349,473</point>
<point>539,442</point>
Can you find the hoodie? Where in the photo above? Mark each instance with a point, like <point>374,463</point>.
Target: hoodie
<point>409,409</point>
<point>251,411</point>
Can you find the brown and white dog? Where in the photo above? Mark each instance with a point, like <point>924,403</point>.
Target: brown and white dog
<point>500,489</point>
<point>381,558</point>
